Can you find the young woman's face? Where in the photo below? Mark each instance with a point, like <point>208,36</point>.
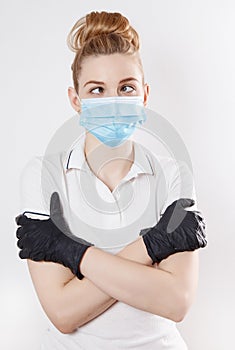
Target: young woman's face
<point>110,75</point>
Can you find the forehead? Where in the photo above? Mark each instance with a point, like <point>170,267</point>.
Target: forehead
<point>110,68</point>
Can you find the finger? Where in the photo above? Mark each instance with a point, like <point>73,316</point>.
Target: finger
<point>24,254</point>
<point>24,242</point>
<point>21,219</point>
<point>19,232</point>
<point>199,215</point>
<point>200,219</point>
<point>19,244</point>
<point>201,237</point>
<point>203,228</point>
<point>29,227</point>
<point>202,225</point>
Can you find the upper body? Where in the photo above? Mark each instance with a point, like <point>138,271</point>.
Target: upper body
<point>154,183</point>
<point>131,189</point>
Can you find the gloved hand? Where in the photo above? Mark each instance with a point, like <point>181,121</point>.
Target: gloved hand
<point>51,239</point>
<point>178,230</point>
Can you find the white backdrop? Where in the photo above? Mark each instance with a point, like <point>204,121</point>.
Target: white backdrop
<point>188,54</point>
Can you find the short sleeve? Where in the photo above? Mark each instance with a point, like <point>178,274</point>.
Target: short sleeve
<point>42,176</point>
<point>180,184</point>
<point>31,192</point>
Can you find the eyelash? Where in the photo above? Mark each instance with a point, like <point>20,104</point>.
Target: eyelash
<point>129,86</point>
<point>102,89</point>
<point>98,87</point>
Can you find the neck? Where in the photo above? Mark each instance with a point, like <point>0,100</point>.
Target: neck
<point>105,161</point>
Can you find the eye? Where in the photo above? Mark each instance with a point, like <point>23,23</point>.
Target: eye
<point>97,90</point>
<point>127,88</point>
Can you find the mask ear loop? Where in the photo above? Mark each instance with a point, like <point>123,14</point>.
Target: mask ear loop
<point>80,102</point>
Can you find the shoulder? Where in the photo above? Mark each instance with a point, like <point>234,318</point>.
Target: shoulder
<point>165,165</point>
<point>174,178</point>
<point>40,177</point>
<point>38,164</point>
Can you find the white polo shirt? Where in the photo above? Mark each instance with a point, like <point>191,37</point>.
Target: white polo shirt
<point>110,220</point>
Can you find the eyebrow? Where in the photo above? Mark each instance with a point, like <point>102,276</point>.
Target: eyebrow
<point>94,82</point>
<point>102,83</point>
<point>128,79</point>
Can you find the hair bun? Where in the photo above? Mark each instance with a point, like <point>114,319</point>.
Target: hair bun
<point>101,23</point>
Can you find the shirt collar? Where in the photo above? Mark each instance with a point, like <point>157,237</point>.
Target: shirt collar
<point>75,159</point>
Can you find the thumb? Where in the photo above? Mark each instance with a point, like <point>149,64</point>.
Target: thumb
<point>56,213</point>
<point>177,214</point>
<point>185,202</point>
<point>56,209</point>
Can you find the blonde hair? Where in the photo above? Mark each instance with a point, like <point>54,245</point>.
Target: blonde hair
<point>101,33</point>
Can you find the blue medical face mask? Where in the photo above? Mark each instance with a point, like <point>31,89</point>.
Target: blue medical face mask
<point>112,120</point>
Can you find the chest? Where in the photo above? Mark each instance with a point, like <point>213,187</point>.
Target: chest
<point>110,214</point>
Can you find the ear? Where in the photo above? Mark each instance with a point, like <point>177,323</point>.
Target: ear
<point>74,99</point>
<point>146,94</point>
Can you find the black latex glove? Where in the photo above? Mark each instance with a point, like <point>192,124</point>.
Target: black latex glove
<point>51,239</point>
<point>178,230</point>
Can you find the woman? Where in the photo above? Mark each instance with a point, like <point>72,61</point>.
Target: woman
<point>119,283</point>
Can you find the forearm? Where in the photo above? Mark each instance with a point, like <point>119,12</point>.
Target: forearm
<point>157,291</point>
<point>75,313</point>
<point>80,302</point>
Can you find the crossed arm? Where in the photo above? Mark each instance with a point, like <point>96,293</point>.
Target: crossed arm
<point>166,289</point>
